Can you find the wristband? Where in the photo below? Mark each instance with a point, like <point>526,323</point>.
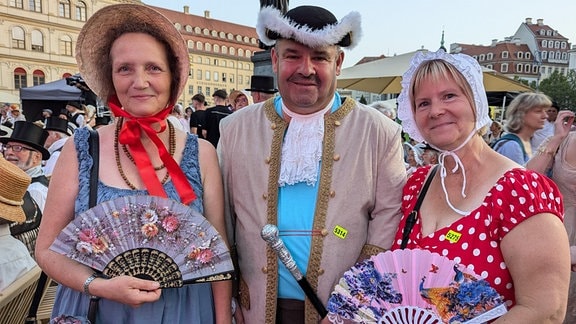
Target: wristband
<point>88,282</point>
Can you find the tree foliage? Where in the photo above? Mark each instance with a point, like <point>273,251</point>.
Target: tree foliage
<point>561,89</point>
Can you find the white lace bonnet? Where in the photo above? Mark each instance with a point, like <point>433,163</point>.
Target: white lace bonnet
<point>466,65</point>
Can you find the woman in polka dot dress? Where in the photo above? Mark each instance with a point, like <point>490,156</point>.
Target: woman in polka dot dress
<point>482,209</point>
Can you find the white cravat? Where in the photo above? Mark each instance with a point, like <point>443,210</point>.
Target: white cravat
<point>302,147</point>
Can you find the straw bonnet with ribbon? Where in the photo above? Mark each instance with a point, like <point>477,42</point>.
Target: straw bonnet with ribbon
<point>472,73</point>
<point>92,54</point>
<point>309,25</point>
<point>28,133</point>
<point>13,185</point>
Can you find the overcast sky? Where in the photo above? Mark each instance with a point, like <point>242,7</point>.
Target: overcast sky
<point>401,26</point>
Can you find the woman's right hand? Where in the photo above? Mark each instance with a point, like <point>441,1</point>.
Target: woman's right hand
<point>127,290</point>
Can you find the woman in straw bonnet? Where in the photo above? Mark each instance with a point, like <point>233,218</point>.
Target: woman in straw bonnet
<point>496,218</point>
<point>134,57</point>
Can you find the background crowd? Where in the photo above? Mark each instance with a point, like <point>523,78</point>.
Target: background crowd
<point>291,156</point>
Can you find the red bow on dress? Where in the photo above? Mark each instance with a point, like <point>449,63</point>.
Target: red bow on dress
<point>130,136</point>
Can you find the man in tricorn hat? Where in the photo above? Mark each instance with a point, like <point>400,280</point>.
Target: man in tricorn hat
<point>262,88</point>
<point>327,170</point>
<point>25,149</point>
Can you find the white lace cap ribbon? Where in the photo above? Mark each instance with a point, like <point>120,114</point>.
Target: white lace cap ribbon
<point>302,147</point>
<point>459,165</point>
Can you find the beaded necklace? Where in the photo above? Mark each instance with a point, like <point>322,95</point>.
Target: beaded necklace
<point>171,144</point>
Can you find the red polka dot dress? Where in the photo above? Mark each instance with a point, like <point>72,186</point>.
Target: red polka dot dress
<point>474,240</point>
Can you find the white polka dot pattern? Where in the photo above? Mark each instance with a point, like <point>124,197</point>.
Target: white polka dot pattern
<point>516,196</point>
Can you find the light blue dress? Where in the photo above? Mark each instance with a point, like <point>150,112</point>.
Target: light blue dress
<point>190,304</point>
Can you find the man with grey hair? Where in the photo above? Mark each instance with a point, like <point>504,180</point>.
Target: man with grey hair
<point>325,169</point>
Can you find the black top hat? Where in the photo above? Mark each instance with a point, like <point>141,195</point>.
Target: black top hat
<point>102,121</point>
<point>28,133</point>
<point>58,124</point>
<point>262,83</point>
<point>74,104</point>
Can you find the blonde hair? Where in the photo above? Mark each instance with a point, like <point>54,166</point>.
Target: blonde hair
<point>520,105</point>
<point>437,71</point>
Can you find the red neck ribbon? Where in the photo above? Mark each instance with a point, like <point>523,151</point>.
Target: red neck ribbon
<point>130,134</point>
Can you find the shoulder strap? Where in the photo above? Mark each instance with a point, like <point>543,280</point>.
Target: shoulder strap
<point>411,220</point>
<point>94,149</point>
<point>509,137</point>
<point>41,179</point>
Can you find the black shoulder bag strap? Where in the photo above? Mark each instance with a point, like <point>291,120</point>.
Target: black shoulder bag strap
<point>411,220</point>
<point>93,308</point>
<point>94,149</point>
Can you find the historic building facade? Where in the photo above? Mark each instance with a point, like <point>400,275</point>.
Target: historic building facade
<point>39,38</point>
<point>533,53</point>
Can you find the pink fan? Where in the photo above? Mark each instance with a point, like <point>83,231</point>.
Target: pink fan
<point>147,237</point>
<point>413,286</point>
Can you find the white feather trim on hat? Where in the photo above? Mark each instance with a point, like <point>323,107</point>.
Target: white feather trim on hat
<point>272,19</point>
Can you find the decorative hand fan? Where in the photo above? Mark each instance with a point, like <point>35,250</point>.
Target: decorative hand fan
<point>413,286</point>
<point>147,237</point>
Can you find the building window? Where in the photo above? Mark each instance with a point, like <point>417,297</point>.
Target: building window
<point>208,47</point>
<point>190,44</point>
<point>191,74</point>
<point>64,8</point>
<point>188,28</point>
<point>544,55</point>
<point>190,89</point>
<point>214,33</point>
<point>208,74</point>
<point>489,66</point>
<point>197,30</point>
<point>66,45</point>
<point>240,66</point>
<point>556,44</point>
<point>35,5</point>
<point>216,76</point>
<point>223,77</point>
<point>544,43</point>
<point>207,61</point>
<point>81,11</point>
<point>248,53</point>
<point>482,57</point>
<point>208,91</point>
<point>535,69</point>
<point>37,41</point>
<point>199,46</point>
<point>519,68</point>
<point>504,68</point>
<point>38,78</point>
<point>224,50</point>
<point>17,4</point>
<point>564,56</point>
<point>200,89</point>
<point>222,35</point>
<point>505,54</point>
<point>548,33</point>
<point>563,45</point>
<point>240,52</point>
<point>199,59</point>
<point>216,62</point>
<point>520,55</point>
<point>528,55</point>
<point>231,78</point>
<point>490,56</point>
<point>551,55</point>
<point>18,38</point>
<point>232,51</point>
<point>216,49</point>
<point>527,68</point>
<point>19,78</point>
<point>199,74</point>
<point>206,32</point>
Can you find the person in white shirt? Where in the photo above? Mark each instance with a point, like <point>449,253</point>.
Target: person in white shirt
<point>15,260</point>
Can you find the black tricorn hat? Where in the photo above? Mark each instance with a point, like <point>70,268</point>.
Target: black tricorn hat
<point>262,83</point>
<point>309,25</point>
<point>58,124</point>
<point>28,133</point>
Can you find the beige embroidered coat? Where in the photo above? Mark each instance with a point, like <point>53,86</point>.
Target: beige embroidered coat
<point>361,184</point>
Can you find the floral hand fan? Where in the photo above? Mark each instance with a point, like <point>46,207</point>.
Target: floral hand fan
<point>413,286</point>
<point>147,237</point>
